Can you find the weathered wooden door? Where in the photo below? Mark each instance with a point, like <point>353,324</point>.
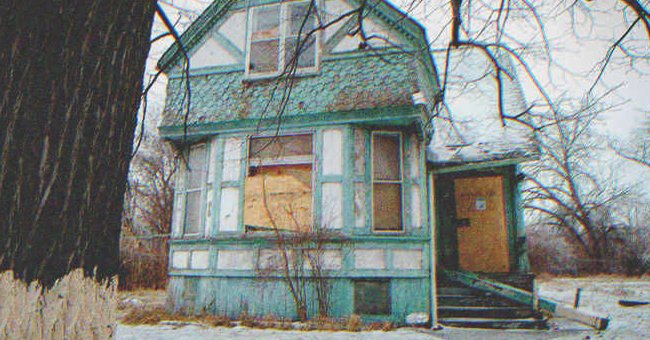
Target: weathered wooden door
<point>481,224</point>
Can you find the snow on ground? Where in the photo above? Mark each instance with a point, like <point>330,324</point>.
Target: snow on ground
<point>194,332</point>
<point>600,295</point>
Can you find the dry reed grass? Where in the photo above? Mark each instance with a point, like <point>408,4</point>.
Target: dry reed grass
<point>76,307</point>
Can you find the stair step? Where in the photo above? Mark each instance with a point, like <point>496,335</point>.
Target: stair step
<point>465,300</point>
<point>458,291</point>
<point>523,323</point>
<point>488,312</point>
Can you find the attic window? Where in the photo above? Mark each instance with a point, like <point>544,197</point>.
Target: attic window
<point>278,188</point>
<point>279,32</point>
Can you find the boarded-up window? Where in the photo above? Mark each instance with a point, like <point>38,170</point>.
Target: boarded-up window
<point>278,188</point>
<point>197,169</point>
<point>387,181</point>
<point>372,297</point>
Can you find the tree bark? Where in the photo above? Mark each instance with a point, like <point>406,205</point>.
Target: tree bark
<point>70,80</point>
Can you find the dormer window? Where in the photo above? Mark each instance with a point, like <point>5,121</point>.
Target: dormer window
<point>279,32</point>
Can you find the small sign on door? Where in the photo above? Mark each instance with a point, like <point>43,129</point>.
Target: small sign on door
<point>480,204</point>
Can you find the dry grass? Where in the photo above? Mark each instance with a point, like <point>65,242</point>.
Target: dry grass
<point>150,309</point>
<point>154,315</point>
<point>354,323</point>
<point>76,307</point>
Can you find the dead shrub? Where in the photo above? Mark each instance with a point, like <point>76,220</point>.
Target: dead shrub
<point>143,263</point>
<point>354,323</point>
<point>146,316</point>
<point>76,307</point>
<point>388,326</point>
<point>247,320</point>
<point>217,320</point>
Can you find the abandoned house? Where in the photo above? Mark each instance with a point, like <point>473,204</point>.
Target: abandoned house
<point>343,137</point>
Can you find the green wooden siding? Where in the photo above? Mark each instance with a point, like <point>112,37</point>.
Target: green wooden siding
<point>264,296</point>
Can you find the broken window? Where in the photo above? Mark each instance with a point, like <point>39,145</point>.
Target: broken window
<point>196,173</point>
<point>278,187</point>
<point>387,181</point>
<point>279,33</point>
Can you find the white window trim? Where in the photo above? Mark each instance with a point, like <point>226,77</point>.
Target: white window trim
<point>283,35</point>
<point>202,189</point>
<point>400,182</point>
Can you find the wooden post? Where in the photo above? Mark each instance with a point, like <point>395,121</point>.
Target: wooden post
<point>432,258</point>
<point>576,300</point>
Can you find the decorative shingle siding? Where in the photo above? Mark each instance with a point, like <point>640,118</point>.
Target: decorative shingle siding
<point>341,85</point>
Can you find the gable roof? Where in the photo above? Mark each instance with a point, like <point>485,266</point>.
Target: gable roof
<point>386,12</point>
<point>471,131</point>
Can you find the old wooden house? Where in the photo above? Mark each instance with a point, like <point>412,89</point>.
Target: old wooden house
<point>337,137</point>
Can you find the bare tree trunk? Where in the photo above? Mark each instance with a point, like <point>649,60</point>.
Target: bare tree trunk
<point>70,81</point>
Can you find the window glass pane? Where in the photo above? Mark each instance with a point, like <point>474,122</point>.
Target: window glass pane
<point>284,191</point>
<point>264,56</point>
<point>193,211</point>
<point>307,53</point>
<point>372,297</point>
<point>387,206</point>
<point>197,167</point>
<point>266,23</point>
<point>359,152</point>
<point>298,18</point>
<point>386,157</point>
<point>281,146</point>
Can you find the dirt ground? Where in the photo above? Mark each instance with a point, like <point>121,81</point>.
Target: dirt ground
<point>600,295</point>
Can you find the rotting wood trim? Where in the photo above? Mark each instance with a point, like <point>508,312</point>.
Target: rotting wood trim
<point>554,308</point>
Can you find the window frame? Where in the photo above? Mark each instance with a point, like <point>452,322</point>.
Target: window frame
<point>389,291</point>
<point>202,189</point>
<point>282,36</point>
<point>284,161</point>
<point>400,181</point>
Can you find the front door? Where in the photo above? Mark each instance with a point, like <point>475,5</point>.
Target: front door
<point>481,224</point>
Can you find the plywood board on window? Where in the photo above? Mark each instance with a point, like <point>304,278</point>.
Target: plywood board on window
<point>386,157</point>
<point>387,206</point>
<point>483,237</point>
<point>279,196</point>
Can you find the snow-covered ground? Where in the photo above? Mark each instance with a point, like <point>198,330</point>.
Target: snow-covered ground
<point>196,332</point>
<point>600,295</point>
